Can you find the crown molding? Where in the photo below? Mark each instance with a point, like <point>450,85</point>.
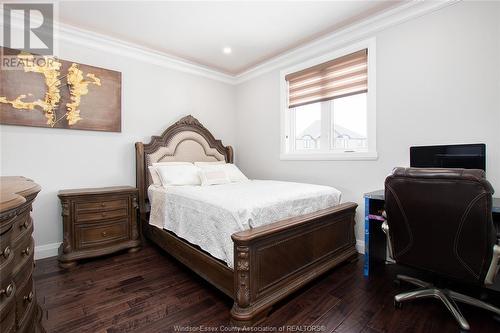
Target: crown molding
<point>120,47</point>
<point>351,33</point>
<point>108,44</point>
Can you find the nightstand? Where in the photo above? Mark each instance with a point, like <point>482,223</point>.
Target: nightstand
<point>98,221</point>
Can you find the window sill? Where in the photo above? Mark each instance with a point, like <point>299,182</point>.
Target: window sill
<point>322,156</point>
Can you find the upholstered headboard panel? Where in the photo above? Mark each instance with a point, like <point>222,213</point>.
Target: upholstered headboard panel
<point>185,141</point>
<point>186,146</point>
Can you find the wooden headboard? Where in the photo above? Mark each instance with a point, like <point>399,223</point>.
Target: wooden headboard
<point>185,141</point>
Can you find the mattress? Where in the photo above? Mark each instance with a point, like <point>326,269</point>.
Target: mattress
<point>207,216</point>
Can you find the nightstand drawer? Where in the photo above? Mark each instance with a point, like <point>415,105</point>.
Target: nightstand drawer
<point>100,215</point>
<point>101,205</point>
<point>93,235</point>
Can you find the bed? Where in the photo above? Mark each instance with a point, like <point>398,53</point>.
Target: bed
<point>269,261</point>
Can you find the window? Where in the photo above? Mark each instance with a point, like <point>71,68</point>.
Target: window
<point>328,106</point>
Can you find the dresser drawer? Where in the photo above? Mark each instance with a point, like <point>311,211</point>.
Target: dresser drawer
<point>6,269</point>
<point>101,205</point>
<point>5,247</point>
<point>23,271</point>
<point>8,318</point>
<point>25,298</point>
<point>105,233</point>
<point>23,224</point>
<point>100,215</point>
<point>7,298</point>
<point>23,252</point>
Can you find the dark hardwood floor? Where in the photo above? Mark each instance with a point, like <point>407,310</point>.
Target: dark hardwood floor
<point>149,291</point>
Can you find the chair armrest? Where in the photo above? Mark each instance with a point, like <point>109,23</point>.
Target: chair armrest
<point>493,270</point>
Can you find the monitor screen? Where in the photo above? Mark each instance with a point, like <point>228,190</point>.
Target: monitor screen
<point>470,156</point>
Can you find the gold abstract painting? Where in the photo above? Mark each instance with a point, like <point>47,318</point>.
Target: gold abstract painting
<point>48,92</point>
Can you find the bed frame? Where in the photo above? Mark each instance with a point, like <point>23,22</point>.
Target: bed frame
<point>270,262</point>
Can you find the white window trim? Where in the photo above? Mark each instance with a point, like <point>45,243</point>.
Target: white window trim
<point>371,152</point>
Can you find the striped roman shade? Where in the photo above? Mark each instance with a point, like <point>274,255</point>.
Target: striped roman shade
<point>344,76</point>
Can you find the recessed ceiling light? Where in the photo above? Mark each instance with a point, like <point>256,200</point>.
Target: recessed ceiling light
<point>227,50</point>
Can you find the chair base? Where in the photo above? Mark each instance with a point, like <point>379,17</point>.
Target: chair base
<point>448,297</point>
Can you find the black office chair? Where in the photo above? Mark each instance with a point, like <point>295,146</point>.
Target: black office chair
<point>440,221</point>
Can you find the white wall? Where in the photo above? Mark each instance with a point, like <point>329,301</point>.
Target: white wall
<point>438,82</point>
<point>153,98</point>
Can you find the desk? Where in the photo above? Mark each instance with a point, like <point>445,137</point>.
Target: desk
<point>375,239</point>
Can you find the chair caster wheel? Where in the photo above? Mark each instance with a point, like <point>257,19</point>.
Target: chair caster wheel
<point>398,305</point>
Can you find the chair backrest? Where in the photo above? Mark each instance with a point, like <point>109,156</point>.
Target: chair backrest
<point>440,220</point>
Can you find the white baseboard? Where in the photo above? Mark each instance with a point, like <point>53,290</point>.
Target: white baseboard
<point>360,246</point>
<point>47,250</point>
<point>50,250</point>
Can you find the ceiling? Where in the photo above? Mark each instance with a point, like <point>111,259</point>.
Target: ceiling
<point>198,31</point>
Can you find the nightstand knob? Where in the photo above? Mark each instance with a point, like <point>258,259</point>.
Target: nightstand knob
<point>26,251</point>
<point>103,214</point>
<point>103,204</point>
<point>7,291</point>
<point>104,234</point>
<point>29,298</point>
<point>6,252</point>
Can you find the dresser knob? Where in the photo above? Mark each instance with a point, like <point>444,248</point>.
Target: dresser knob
<point>29,298</point>
<point>26,251</point>
<point>7,291</point>
<point>103,214</point>
<point>104,234</point>
<point>103,204</point>
<point>6,252</point>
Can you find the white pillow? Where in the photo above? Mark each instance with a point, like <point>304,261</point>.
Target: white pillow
<point>233,173</point>
<point>181,174</point>
<point>155,177</point>
<point>209,163</point>
<point>213,176</point>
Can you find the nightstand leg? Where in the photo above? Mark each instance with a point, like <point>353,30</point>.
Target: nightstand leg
<point>134,249</point>
<point>67,264</point>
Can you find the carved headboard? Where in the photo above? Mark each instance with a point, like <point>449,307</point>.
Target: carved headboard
<point>185,141</point>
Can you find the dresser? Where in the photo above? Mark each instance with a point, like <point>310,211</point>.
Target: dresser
<point>19,311</point>
<point>98,221</point>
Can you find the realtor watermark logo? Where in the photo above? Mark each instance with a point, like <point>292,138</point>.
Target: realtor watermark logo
<point>29,28</point>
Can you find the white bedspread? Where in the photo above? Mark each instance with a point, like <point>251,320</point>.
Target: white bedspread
<point>208,215</point>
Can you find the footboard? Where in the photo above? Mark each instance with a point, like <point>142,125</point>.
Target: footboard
<point>272,261</point>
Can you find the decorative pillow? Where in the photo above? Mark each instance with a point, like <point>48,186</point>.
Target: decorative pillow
<point>209,163</point>
<point>210,175</point>
<point>233,173</point>
<point>180,174</point>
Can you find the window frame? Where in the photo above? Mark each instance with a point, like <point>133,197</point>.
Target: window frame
<point>287,120</point>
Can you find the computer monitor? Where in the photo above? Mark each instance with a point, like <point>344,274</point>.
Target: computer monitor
<point>468,156</point>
